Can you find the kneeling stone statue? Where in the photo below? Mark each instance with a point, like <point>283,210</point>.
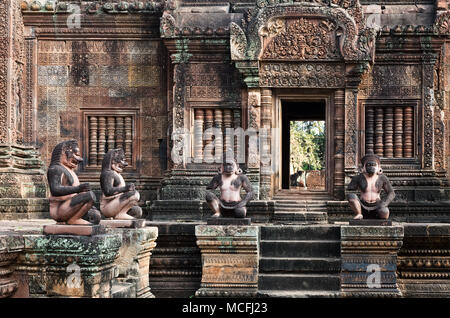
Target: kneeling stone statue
<point>370,182</point>
<point>70,202</point>
<point>119,200</point>
<point>230,180</point>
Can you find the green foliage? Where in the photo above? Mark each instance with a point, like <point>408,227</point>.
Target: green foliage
<point>307,145</point>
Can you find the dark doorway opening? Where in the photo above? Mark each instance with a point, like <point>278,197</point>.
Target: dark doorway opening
<point>303,145</point>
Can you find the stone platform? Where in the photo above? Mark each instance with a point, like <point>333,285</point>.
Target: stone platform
<point>134,224</point>
<point>80,230</point>
<point>370,222</point>
<point>228,221</point>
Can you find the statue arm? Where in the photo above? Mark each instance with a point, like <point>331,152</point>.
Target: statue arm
<point>389,190</point>
<point>56,188</point>
<point>249,189</point>
<point>215,182</point>
<point>108,188</point>
<point>353,185</point>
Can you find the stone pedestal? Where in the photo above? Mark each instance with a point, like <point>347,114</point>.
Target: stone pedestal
<point>10,247</point>
<point>134,257</point>
<point>69,265</point>
<point>229,260</point>
<point>175,265</point>
<point>369,260</point>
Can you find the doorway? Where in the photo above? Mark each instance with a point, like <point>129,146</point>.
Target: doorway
<point>304,132</point>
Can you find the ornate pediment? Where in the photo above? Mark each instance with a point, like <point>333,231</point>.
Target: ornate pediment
<point>300,39</point>
<point>303,30</point>
<point>315,31</point>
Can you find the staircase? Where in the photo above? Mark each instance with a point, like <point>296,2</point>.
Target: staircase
<point>297,207</point>
<point>299,261</point>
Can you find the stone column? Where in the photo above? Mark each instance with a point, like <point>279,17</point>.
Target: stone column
<point>70,265</point>
<point>10,247</point>
<point>229,260</point>
<point>134,257</point>
<point>369,260</point>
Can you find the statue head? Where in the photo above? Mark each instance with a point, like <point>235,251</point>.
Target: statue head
<point>229,165</point>
<point>371,163</point>
<point>114,160</point>
<point>67,153</point>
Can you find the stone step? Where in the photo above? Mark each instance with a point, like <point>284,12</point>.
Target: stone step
<point>300,209</point>
<point>312,232</point>
<point>300,217</point>
<point>306,282</point>
<point>297,265</point>
<point>298,294</point>
<point>296,248</point>
<point>123,290</point>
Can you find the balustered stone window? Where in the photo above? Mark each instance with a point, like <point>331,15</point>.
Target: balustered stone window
<point>389,130</point>
<point>204,120</point>
<point>107,131</point>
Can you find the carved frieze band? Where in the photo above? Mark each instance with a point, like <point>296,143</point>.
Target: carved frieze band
<point>285,74</point>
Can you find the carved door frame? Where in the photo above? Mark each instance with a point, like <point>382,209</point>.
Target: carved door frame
<point>303,95</point>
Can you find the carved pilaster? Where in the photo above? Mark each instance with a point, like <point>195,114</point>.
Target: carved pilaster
<point>265,144</point>
<point>428,114</point>
<point>254,123</point>
<point>339,143</point>
<point>351,129</point>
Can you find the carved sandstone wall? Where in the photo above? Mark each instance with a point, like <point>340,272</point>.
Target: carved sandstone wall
<point>107,80</point>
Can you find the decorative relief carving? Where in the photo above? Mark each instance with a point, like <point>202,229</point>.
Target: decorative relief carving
<point>238,42</point>
<point>404,80</point>
<point>212,81</point>
<point>351,128</point>
<point>301,39</point>
<point>5,40</point>
<point>442,24</point>
<point>284,74</point>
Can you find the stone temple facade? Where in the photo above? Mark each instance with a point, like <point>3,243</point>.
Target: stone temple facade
<point>153,78</point>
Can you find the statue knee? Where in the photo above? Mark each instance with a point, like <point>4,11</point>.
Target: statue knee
<point>135,212</point>
<point>352,197</point>
<point>84,198</point>
<point>240,212</point>
<point>210,197</point>
<point>383,213</point>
